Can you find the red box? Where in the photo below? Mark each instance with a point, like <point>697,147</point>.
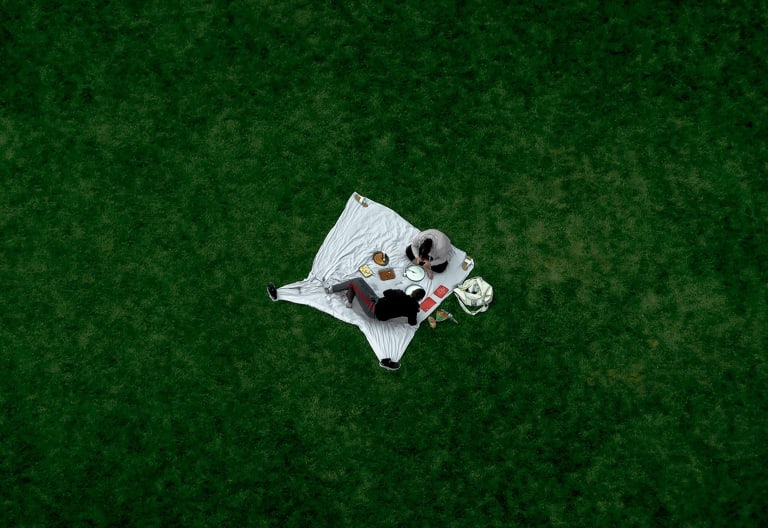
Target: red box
<point>427,303</point>
<point>441,291</point>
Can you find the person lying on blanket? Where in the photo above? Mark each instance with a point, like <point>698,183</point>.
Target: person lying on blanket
<point>430,249</point>
<point>394,303</point>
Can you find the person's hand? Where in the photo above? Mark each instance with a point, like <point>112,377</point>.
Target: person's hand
<point>428,269</point>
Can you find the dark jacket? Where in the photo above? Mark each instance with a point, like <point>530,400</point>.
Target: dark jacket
<point>396,303</point>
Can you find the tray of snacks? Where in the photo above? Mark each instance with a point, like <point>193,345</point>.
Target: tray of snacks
<point>387,274</point>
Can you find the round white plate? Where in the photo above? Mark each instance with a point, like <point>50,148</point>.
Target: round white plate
<point>415,273</point>
<point>412,288</point>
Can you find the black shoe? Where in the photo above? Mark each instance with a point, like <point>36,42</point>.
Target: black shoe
<point>388,364</point>
<point>272,291</point>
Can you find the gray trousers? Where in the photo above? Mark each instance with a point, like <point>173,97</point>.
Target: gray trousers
<point>360,290</point>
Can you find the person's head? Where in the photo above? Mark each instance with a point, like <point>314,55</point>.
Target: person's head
<point>425,248</point>
<point>418,294</point>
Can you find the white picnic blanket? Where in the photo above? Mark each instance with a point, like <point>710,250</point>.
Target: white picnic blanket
<point>363,228</point>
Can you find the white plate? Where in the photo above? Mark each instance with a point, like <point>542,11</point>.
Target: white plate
<point>415,273</point>
<point>412,288</point>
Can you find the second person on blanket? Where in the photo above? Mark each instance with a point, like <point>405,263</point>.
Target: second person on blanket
<point>430,249</point>
<point>394,303</point>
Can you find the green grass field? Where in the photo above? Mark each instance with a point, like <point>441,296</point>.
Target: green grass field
<point>607,168</point>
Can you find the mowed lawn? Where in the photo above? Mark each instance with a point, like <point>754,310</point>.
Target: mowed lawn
<point>605,165</point>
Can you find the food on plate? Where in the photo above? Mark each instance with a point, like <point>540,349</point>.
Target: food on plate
<point>381,258</point>
<point>366,270</point>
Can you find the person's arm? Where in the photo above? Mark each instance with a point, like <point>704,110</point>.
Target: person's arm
<point>404,305</point>
<point>412,315</point>
<point>427,265</point>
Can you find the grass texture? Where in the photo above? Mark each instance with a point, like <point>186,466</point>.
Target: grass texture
<point>605,165</point>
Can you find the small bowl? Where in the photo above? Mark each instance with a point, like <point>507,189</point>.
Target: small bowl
<point>381,258</point>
